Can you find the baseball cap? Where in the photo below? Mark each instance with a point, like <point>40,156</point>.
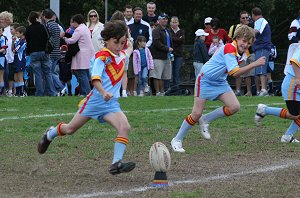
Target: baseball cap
<point>207,20</point>
<point>200,32</point>
<point>162,16</point>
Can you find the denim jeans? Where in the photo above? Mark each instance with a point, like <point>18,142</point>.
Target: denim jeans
<point>55,74</point>
<point>262,70</point>
<point>41,66</point>
<point>143,78</point>
<point>82,76</point>
<point>176,64</point>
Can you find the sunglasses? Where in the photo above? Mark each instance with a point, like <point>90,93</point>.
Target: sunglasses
<point>206,23</point>
<point>93,16</point>
<point>245,18</point>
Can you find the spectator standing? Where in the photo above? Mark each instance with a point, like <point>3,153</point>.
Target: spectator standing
<point>128,14</point>
<point>81,61</point>
<point>200,51</point>
<point>95,27</point>
<point>142,63</point>
<point>161,51</point>
<point>36,38</point>
<point>7,20</point>
<point>151,16</point>
<point>244,20</point>
<point>3,47</point>
<point>11,73</point>
<point>19,50</point>
<point>261,47</point>
<point>215,45</point>
<point>271,68</point>
<point>178,39</point>
<point>216,30</point>
<point>137,28</point>
<point>54,31</point>
<point>207,24</point>
<point>294,31</point>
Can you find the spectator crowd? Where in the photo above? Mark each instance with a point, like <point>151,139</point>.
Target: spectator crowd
<point>57,59</point>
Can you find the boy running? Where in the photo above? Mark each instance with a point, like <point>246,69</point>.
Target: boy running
<point>211,84</point>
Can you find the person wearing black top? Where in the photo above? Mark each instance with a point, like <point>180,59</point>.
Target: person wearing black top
<point>36,37</point>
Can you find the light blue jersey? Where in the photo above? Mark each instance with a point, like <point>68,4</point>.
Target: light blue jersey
<point>212,80</point>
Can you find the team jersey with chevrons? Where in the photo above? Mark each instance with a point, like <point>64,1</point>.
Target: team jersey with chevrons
<point>295,59</point>
<point>109,68</point>
<point>223,63</point>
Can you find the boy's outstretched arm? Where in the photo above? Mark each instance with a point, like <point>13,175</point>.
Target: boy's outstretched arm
<point>258,62</point>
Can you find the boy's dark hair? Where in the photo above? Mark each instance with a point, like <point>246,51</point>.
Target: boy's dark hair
<point>114,29</point>
<point>256,11</point>
<point>78,18</point>
<point>117,15</point>
<point>128,7</point>
<point>15,25</point>
<point>216,37</point>
<point>33,15</point>
<point>137,8</point>
<point>215,23</point>
<point>21,29</point>
<point>48,13</point>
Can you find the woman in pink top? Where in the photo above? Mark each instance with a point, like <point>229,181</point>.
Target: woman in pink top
<point>81,61</point>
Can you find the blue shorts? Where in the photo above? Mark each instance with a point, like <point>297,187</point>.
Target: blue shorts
<point>262,70</point>
<point>289,89</point>
<point>271,67</point>
<point>93,106</point>
<point>210,90</point>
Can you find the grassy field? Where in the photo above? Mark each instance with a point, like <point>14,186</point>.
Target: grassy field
<point>241,160</point>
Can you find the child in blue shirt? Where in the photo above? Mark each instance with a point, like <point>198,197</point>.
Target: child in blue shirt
<point>3,47</point>
<point>19,50</point>
<point>291,94</point>
<point>102,102</point>
<point>211,84</point>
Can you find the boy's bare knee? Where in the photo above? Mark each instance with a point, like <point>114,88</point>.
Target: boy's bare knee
<point>234,108</point>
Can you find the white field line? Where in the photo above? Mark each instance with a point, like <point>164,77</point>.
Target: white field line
<point>267,169</point>
<point>137,111</point>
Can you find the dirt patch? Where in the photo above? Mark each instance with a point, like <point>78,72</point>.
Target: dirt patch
<point>66,176</point>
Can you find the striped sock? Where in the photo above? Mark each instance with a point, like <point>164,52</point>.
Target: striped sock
<point>119,149</point>
<point>54,132</point>
<point>217,113</point>
<point>186,125</point>
<point>279,112</point>
<point>293,127</point>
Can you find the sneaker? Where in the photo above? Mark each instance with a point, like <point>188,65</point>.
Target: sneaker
<point>124,94</point>
<point>248,94</point>
<point>204,129</point>
<point>289,139</point>
<point>141,93</point>
<point>62,92</point>
<point>134,93</point>
<point>44,142</point>
<point>263,93</point>
<point>238,93</point>
<point>157,94</point>
<point>177,145</point>
<point>146,89</point>
<point>120,167</point>
<point>260,114</point>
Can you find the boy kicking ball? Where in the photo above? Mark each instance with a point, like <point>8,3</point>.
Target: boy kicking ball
<point>290,89</point>
<point>211,84</point>
<point>102,102</point>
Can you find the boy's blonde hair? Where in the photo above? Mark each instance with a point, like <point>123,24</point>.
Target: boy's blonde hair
<point>246,32</point>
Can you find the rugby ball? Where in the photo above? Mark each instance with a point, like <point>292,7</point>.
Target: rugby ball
<point>159,157</point>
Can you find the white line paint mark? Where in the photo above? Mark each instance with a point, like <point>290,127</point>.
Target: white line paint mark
<point>136,111</point>
<point>193,181</point>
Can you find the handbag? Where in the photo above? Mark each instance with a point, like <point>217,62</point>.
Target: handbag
<point>50,42</point>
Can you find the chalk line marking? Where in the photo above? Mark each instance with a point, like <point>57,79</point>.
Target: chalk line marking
<point>220,177</point>
<point>136,111</point>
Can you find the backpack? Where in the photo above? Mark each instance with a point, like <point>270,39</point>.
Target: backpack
<point>50,42</point>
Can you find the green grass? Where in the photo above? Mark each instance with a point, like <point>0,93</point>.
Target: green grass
<point>24,120</point>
